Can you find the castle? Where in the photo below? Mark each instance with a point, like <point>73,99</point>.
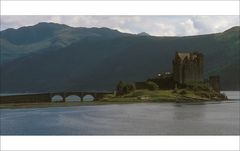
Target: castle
<point>188,68</point>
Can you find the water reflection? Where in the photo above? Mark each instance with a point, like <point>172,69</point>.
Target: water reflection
<point>73,98</point>
<point>88,98</point>
<point>57,98</point>
<point>184,111</point>
<point>210,118</point>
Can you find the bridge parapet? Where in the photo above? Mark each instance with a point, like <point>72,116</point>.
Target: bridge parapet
<point>26,98</point>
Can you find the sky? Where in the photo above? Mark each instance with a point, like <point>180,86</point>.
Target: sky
<point>153,25</point>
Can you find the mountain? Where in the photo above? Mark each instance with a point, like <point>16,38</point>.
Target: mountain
<point>143,34</point>
<point>17,43</point>
<point>97,58</point>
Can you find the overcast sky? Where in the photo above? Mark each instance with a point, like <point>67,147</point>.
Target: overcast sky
<point>154,25</point>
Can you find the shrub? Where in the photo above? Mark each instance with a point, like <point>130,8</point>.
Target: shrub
<point>183,92</point>
<point>124,88</point>
<point>152,86</point>
<point>131,87</point>
<point>175,90</point>
<point>199,86</point>
<point>203,94</point>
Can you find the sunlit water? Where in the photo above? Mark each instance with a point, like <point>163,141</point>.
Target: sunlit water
<point>210,118</point>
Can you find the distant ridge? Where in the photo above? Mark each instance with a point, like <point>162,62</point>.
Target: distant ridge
<point>143,34</point>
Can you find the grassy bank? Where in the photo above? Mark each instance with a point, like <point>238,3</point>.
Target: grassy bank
<point>56,104</point>
<point>180,95</point>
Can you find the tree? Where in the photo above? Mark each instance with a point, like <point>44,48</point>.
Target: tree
<point>131,87</point>
<point>120,87</point>
<point>124,88</point>
<point>152,86</point>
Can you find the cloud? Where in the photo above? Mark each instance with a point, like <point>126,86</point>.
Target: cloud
<point>154,25</point>
<point>162,29</point>
<point>188,27</point>
<point>215,23</point>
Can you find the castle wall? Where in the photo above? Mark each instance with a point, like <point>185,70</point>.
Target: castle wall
<point>188,68</point>
<point>164,82</point>
<point>177,71</point>
<point>214,82</point>
<point>200,68</point>
<point>140,85</point>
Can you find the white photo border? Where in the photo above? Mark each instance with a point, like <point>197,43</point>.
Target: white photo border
<point>119,8</point>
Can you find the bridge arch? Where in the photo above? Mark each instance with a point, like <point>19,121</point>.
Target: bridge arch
<point>88,97</point>
<point>72,98</point>
<point>57,98</point>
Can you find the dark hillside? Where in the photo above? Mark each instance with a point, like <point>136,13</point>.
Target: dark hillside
<point>99,62</point>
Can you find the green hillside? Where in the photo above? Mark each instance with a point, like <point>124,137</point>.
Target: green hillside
<point>16,43</point>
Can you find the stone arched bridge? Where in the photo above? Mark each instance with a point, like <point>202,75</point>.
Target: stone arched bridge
<point>64,95</point>
<point>47,97</point>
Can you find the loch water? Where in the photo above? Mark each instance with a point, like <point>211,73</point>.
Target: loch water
<point>208,118</point>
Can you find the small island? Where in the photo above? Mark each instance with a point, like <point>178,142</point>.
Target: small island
<point>185,83</point>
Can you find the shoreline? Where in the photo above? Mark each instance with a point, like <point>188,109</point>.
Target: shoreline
<point>98,103</point>
<point>137,96</point>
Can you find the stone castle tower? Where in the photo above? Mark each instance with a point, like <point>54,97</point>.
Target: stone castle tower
<point>188,67</point>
